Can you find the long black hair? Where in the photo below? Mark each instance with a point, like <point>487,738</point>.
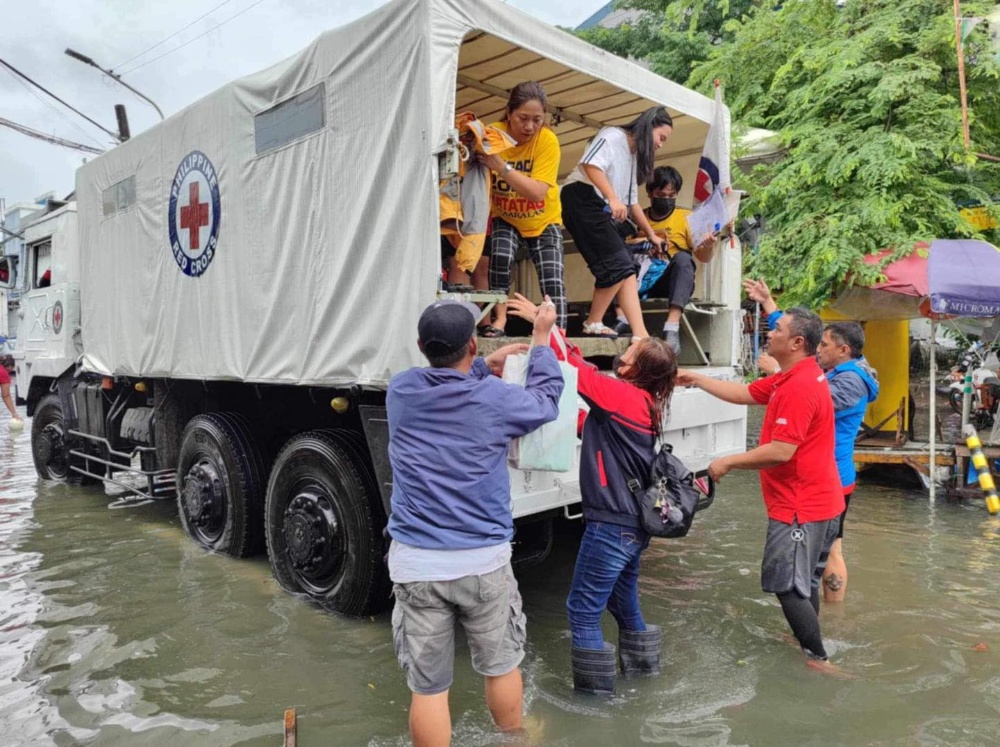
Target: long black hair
<point>641,129</point>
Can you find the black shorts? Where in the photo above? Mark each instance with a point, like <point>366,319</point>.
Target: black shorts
<point>602,248</point>
<point>795,555</point>
<point>847,505</point>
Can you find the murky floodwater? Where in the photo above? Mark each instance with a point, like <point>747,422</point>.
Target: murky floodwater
<point>117,630</point>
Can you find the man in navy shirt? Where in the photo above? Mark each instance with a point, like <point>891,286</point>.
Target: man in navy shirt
<point>451,522</point>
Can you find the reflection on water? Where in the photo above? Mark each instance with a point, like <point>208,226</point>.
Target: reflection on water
<point>116,630</point>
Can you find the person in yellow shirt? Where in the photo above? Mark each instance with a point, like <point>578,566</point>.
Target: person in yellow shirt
<point>524,202</point>
<point>670,222</point>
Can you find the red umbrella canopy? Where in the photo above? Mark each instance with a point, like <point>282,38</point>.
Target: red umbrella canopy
<point>906,276</point>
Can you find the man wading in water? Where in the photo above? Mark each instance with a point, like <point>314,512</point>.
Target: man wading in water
<point>451,522</point>
<point>798,474</point>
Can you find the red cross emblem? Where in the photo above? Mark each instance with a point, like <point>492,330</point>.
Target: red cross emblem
<point>57,317</point>
<point>194,215</point>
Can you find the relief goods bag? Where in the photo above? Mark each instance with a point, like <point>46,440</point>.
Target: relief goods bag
<point>551,448</point>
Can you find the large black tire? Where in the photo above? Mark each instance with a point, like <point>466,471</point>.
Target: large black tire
<point>220,484</point>
<point>50,445</point>
<point>324,521</point>
<point>48,440</point>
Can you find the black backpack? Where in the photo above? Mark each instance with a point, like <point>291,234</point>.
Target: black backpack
<point>669,498</point>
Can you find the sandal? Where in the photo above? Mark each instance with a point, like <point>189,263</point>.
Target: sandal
<point>598,329</point>
<point>489,331</point>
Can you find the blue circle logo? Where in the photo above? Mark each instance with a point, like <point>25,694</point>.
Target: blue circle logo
<point>194,214</point>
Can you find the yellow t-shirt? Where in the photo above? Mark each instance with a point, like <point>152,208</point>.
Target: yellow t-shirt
<point>539,159</point>
<point>677,227</point>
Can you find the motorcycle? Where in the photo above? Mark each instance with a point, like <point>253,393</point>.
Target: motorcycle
<point>985,385</point>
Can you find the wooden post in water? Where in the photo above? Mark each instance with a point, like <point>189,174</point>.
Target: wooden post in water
<point>291,728</point>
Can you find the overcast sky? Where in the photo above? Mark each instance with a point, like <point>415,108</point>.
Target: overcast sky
<point>260,33</point>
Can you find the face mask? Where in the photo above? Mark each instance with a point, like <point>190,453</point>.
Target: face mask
<point>663,206</point>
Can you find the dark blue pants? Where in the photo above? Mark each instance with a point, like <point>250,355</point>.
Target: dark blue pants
<point>606,577</point>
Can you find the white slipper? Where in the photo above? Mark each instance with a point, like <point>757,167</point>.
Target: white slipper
<point>598,329</point>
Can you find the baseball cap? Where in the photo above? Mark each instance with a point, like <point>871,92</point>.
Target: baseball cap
<point>446,325</point>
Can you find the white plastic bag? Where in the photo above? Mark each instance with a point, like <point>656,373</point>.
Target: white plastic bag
<point>552,447</point>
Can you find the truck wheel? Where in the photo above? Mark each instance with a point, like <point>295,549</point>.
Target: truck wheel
<point>48,440</point>
<point>324,522</point>
<point>220,484</point>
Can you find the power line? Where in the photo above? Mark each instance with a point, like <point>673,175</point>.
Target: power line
<point>189,41</point>
<point>58,112</point>
<point>160,43</point>
<point>24,130</point>
<point>43,88</point>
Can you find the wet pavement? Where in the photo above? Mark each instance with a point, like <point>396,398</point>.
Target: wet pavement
<point>115,629</point>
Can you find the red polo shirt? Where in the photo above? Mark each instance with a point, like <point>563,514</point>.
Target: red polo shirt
<point>800,412</point>
<point>4,376</point>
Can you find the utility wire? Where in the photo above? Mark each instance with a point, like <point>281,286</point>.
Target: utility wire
<point>43,88</point>
<point>49,138</point>
<point>58,112</point>
<point>164,41</point>
<point>189,41</point>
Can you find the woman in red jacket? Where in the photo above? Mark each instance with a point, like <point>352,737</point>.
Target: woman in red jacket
<point>619,443</point>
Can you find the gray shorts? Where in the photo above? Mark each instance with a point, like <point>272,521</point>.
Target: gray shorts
<point>423,627</point>
<point>795,555</point>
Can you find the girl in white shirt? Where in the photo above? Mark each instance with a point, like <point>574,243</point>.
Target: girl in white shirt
<point>600,193</point>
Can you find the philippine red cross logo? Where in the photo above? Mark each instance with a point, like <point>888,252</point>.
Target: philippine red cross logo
<point>194,214</point>
<point>57,317</point>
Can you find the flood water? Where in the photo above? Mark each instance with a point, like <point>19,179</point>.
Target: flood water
<point>117,630</point>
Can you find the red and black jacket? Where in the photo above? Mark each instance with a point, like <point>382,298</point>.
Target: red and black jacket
<point>618,443</point>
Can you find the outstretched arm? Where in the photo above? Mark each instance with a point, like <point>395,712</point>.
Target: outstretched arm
<point>5,394</point>
<point>729,391</point>
<point>769,455</point>
<point>758,291</point>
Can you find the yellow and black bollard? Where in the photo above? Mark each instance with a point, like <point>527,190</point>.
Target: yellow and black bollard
<point>982,465</point>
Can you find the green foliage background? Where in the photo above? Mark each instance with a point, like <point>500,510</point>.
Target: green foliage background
<point>865,98</point>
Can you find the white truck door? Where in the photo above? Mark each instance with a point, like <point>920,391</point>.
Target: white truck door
<point>36,303</point>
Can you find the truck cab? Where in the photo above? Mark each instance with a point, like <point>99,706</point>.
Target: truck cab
<point>48,322</point>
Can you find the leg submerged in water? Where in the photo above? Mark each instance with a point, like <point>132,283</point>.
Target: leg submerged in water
<point>835,575</point>
<point>804,622</point>
<point>505,698</point>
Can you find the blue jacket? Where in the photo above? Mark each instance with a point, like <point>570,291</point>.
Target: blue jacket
<point>853,386</point>
<point>448,438</point>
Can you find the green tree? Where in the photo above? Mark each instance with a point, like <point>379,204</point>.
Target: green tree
<point>866,100</point>
<point>671,36</point>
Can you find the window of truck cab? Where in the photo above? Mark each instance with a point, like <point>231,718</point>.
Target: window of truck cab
<point>40,258</point>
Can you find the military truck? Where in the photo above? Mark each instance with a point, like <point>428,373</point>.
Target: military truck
<point>234,287</point>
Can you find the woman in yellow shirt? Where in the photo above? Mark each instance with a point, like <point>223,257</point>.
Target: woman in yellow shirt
<point>524,202</point>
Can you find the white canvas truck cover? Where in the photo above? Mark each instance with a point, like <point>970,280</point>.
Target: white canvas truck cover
<point>285,228</point>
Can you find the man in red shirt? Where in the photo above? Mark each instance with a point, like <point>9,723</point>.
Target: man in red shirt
<point>798,473</point>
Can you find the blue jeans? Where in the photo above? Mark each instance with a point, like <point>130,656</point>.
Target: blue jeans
<point>606,577</point>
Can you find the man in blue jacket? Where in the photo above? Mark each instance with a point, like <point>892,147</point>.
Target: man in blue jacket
<point>853,385</point>
<point>451,522</point>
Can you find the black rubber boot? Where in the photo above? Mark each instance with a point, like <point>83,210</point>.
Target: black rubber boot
<point>594,671</point>
<point>639,651</point>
